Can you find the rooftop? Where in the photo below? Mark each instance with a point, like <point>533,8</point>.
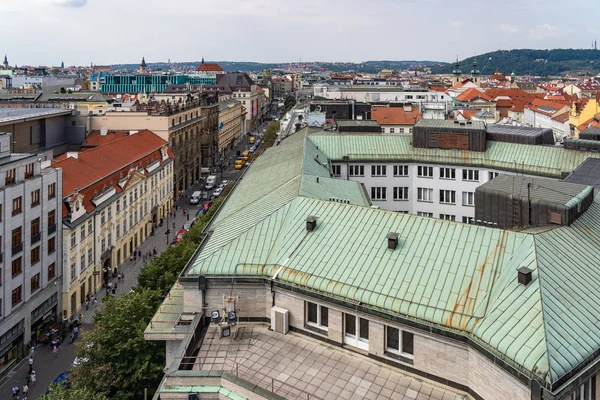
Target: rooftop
<point>396,116</point>
<point>449,124</point>
<point>588,173</point>
<point>15,115</point>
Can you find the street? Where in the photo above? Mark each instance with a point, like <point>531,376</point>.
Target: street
<point>46,365</point>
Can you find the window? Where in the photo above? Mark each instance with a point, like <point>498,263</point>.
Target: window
<point>317,316</point>
<point>16,237</point>
<point>35,255</point>
<point>130,197</point>
<point>51,218</point>
<point>424,214</point>
<point>584,392</point>
<point>118,231</point>
<point>35,227</point>
<point>102,217</point>
<point>73,271</point>
<point>51,271</point>
<point>51,191</point>
<point>35,283</point>
<point>471,175</point>
<point>73,239</point>
<point>1,212</point>
<point>118,206</point>
<point>11,176</point>
<point>17,266</point>
<point>124,225</point>
<point>492,175</point>
<point>356,331</point>
<point>17,206</point>
<point>135,194</point>
<point>467,220</point>
<point>448,196</point>
<point>448,217</point>
<point>337,170</point>
<point>392,130</point>
<point>28,171</point>
<point>400,170</point>
<point>90,256</point>
<point>401,193</point>
<point>90,230</point>
<point>399,342</point>
<point>124,202</point>
<point>109,213</point>
<point>103,245</point>
<point>424,172</point>
<point>35,197</point>
<point>51,245</point>
<point>109,240</point>
<point>356,170</point>
<point>447,173</point>
<point>378,170</point>
<point>424,194</point>
<point>82,231</point>
<point>17,296</point>
<point>378,193</point>
<point>468,198</point>
<point>82,263</point>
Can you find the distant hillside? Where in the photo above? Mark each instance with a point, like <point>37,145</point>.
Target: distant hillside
<point>531,62</point>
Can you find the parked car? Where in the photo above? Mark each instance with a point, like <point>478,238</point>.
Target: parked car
<point>179,235</point>
<point>217,192</point>
<point>225,182</point>
<point>188,225</point>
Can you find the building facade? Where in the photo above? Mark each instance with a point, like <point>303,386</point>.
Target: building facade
<point>232,123</point>
<point>30,211</point>
<point>117,192</point>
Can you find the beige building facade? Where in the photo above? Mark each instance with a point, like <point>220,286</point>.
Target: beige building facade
<point>232,123</point>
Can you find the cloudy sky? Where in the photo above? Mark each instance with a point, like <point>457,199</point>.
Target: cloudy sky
<point>120,31</point>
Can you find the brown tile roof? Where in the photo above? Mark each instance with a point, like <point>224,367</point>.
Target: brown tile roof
<point>472,94</point>
<point>467,114</point>
<point>564,117</point>
<point>95,139</point>
<point>209,67</point>
<point>395,116</point>
<point>102,167</point>
<point>593,122</point>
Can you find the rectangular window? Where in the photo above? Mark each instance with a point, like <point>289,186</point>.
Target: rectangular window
<point>17,206</point>
<point>468,198</point>
<point>35,255</point>
<point>492,175</point>
<point>424,194</point>
<point>51,191</point>
<point>35,283</point>
<point>400,170</point>
<point>17,296</point>
<point>109,239</point>
<point>73,271</point>
<point>109,213</point>
<point>118,205</point>
<point>400,193</point>
<point>103,247</point>
<point>448,217</point>
<point>51,271</point>
<point>337,170</point>
<point>118,231</point>
<point>82,231</point>
<point>378,193</point>
<point>317,316</point>
<point>447,196</point>
<point>471,175</point>
<point>392,130</point>
<point>73,239</point>
<point>102,217</point>
<point>82,263</point>
<point>35,227</point>
<point>356,331</point>
<point>28,171</point>
<point>90,230</point>
<point>51,218</point>
<point>130,197</point>
<point>584,392</point>
<point>11,176</point>
<point>447,173</point>
<point>467,220</point>
<point>90,256</point>
<point>424,214</point>
<point>16,237</point>
<point>356,170</point>
<point>17,266</point>
<point>35,197</point>
<point>399,342</point>
<point>378,170</point>
<point>51,245</point>
<point>135,196</point>
<point>424,172</point>
<point>124,202</point>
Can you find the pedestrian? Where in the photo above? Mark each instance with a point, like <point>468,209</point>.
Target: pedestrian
<point>173,225</point>
<point>95,301</point>
<point>54,351</point>
<point>110,284</point>
<point>32,351</point>
<point>188,216</point>
<point>87,305</point>
<point>123,277</point>
<point>80,318</point>
<point>25,390</point>
<point>119,277</point>
<point>15,392</point>
<point>30,361</point>
<point>33,378</point>
<point>114,292</point>
<point>131,258</point>
<point>115,271</point>
<point>140,253</point>
<point>154,251</point>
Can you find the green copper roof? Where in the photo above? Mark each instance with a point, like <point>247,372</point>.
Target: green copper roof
<point>458,277</point>
<point>551,161</point>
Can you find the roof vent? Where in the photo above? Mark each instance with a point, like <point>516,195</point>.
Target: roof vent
<point>456,121</point>
<point>311,223</point>
<point>345,158</point>
<point>524,276</point>
<point>103,131</point>
<point>469,122</point>
<point>392,238</point>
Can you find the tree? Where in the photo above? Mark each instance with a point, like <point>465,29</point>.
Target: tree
<point>271,134</point>
<point>120,364</point>
<point>63,90</point>
<point>59,392</point>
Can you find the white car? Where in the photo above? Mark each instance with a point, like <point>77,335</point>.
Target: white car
<point>225,183</point>
<point>218,192</point>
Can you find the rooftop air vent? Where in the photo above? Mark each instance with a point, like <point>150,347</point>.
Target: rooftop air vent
<point>392,238</point>
<point>524,276</point>
<point>311,223</point>
<point>345,158</point>
<point>456,121</point>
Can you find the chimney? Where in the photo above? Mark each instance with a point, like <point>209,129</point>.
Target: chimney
<point>73,154</point>
<point>103,131</point>
<point>524,275</point>
<point>311,223</point>
<point>392,238</point>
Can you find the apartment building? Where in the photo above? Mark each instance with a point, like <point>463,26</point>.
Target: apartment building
<point>115,192</point>
<point>232,123</point>
<point>30,274</point>
<point>322,295</point>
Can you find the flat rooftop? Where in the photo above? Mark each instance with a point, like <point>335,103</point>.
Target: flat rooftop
<point>12,115</point>
<point>447,124</point>
<point>588,173</point>
<point>297,367</point>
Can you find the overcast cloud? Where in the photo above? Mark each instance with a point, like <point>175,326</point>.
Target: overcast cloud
<point>78,32</point>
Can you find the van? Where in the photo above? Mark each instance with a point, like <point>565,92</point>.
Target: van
<point>196,197</point>
<point>246,155</point>
<point>205,170</point>
<point>210,182</point>
<point>239,163</point>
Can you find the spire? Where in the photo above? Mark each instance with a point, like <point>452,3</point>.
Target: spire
<point>457,70</point>
<point>5,59</point>
<point>62,64</point>
<point>202,59</point>
<point>475,71</point>
<point>143,64</point>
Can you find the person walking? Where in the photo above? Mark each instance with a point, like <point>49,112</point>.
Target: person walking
<point>25,390</point>
<point>27,378</point>
<point>15,392</point>
<point>55,351</point>
<point>30,362</point>
<point>33,378</point>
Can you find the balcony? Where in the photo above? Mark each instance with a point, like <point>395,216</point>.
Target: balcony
<point>51,229</point>
<point>35,238</point>
<point>17,249</point>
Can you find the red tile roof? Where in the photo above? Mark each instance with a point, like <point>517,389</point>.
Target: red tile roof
<point>467,114</point>
<point>564,117</point>
<point>395,116</point>
<point>209,67</point>
<point>472,94</point>
<point>95,139</point>
<point>99,168</point>
<point>593,122</point>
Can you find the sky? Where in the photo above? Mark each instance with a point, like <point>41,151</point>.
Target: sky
<point>80,32</point>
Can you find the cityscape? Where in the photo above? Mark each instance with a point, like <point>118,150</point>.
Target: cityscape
<point>410,228</point>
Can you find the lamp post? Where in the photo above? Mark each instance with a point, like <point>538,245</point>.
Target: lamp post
<point>168,231</point>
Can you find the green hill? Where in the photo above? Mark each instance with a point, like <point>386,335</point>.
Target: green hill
<point>531,62</point>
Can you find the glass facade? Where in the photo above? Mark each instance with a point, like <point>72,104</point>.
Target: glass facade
<point>138,83</point>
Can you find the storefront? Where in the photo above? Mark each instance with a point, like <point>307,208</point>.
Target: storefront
<point>43,318</point>
<point>11,347</point>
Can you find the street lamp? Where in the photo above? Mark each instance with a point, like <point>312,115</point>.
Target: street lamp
<point>168,231</point>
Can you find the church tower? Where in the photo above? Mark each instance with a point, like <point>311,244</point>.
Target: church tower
<point>5,63</point>
<point>143,67</point>
<point>457,78</point>
<point>475,78</point>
